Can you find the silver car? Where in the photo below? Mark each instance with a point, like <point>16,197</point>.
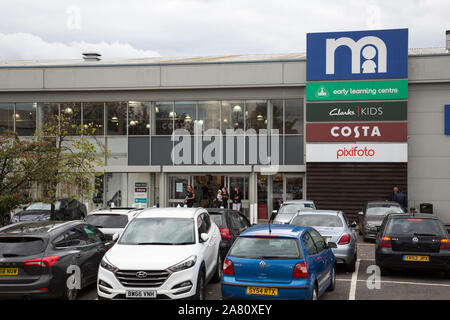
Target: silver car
<point>290,208</point>
<point>334,227</point>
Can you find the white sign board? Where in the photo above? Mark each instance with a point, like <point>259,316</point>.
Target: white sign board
<point>356,152</point>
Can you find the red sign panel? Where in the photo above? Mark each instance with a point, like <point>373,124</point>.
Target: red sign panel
<point>350,132</point>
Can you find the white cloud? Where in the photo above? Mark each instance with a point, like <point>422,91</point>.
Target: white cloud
<point>26,46</point>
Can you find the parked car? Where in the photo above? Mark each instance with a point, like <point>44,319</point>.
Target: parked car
<point>373,215</point>
<point>289,208</point>
<point>412,242</point>
<point>162,253</point>
<point>278,262</point>
<point>334,227</point>
<point>5,217</point>
<point>231,224</point>
<point>35,258</point>
<point>65,209</point>
<point>112,220</point>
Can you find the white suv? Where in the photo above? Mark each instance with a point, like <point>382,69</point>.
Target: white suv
<point>162,253</point>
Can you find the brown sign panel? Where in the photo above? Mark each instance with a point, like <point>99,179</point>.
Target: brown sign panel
<point>352,132</point>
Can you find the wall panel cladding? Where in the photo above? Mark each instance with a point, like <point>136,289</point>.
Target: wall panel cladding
<point>348,186</point>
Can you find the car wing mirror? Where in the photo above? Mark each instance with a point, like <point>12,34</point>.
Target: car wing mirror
<point>116,236</point>
<point>353,224</point>
<point>332,245</point>
<point>204,237</point>
<point>361,213</point>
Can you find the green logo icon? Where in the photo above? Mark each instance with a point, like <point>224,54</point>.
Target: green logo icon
<point>322,92</point>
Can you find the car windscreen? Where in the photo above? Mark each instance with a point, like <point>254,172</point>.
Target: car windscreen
<point>414,226</point>
<point>317,220</point>
<point>266,248</point>
<point>217,218</point>
<point>20,246</point>
<point>43,206</point>
<point>159,231</point>
<point>382,211</point>
<point>113,221</point>
<point>294,208</point>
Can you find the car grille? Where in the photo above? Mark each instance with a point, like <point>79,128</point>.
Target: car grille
<point>154,279</point>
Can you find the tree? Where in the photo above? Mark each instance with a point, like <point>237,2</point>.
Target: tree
<point>21,164</point>
<point>74,159</point>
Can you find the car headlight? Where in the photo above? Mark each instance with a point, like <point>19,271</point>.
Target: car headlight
<point>186,264</point>
<point>105,264</point>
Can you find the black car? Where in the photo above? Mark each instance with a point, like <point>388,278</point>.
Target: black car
<point>372,216</point>
<point>231,224</point>
<point>412,242</point>
<point>37,259</point>
<point>65,209</point>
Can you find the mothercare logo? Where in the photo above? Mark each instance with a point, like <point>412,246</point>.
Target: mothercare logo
<point>367,47</point>
<point>355,152</point>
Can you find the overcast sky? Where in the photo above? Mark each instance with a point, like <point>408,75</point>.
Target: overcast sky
<point>59,29</point>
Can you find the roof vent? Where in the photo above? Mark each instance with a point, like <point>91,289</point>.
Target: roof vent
<point>447,40</point>
<point>91,56</point>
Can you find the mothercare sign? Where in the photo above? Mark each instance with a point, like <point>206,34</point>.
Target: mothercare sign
<point>376,54</point>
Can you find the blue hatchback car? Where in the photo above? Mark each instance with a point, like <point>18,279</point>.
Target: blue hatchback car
<point>279,262</point>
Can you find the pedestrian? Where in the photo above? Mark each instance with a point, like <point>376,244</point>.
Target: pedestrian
<point>398,196</point>
<point>190,197</point>
<point>237,199</point>
<point>225,197</point>
<point>219,198</point>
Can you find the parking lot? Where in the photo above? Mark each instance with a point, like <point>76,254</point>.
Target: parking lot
<point>402,285</point>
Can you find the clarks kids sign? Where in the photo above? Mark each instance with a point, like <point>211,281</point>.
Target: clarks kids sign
<point>376,54</point>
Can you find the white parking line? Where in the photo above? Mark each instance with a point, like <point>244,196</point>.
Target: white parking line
<point>403,282</point>
<point>354,281</point>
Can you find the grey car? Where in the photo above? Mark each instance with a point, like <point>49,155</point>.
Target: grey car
<point>373,215</point>
<point>334,227</point>
<point>290,208</point>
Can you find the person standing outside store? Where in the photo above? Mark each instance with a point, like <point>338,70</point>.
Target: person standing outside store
<point>398,196</point>
<point>225,197</point>
<point>237,199</point>
<point>190,197</point>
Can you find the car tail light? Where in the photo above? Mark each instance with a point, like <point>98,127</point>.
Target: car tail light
<point>228,267</point>
<point>41,262</point>
<point>301,270</point>
<point>385,242</point>
<point>445,244</point>
<point>225,233</point>
<point>345,239</point>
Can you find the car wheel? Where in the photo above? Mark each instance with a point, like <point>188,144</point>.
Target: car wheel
<point>219,270</point>
<point>333,279</point>
<point>314,295</point>
<point>200,293</point>
<point>384,271</point>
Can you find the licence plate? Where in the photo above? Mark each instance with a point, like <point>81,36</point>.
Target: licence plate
<point>9,271</point>
<point>416,258</point>
<point>262,291</point>
<point>140,294</point>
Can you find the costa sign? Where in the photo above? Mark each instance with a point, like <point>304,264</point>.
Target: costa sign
<point>372,54</point>
<point>357,152</point>
<point>352,111</point>
<point>341,132</point>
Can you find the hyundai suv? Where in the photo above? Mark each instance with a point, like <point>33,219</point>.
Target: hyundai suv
<point>168,253</point>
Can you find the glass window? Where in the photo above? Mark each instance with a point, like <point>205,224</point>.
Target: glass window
<point>138,118</point>
<point>118,151</point>
<point>6,117</point>
<point>232,115</point>
<point>406,226</point>
<point>21,246</point>
<point>276,109</point>
<point>265,248</point>
<point>308,242</point>
<point>93,116</point>
<point>93,234</point>
<point>72,111</point>
<point>294,188</point>
<point>48,113</point>
<point>116,190</point>
<point>318,240</point>
<point>113,221</point>
<point>185,114</point>
<point>294,116</point>
<point>256,115</point>
<point>116,115</point>
<point>317,220</point>
<point>209,114</point>
<point>26,118</point>
<point>163,118</point>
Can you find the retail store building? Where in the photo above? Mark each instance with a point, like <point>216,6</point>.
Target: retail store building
<point>138,103</point>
